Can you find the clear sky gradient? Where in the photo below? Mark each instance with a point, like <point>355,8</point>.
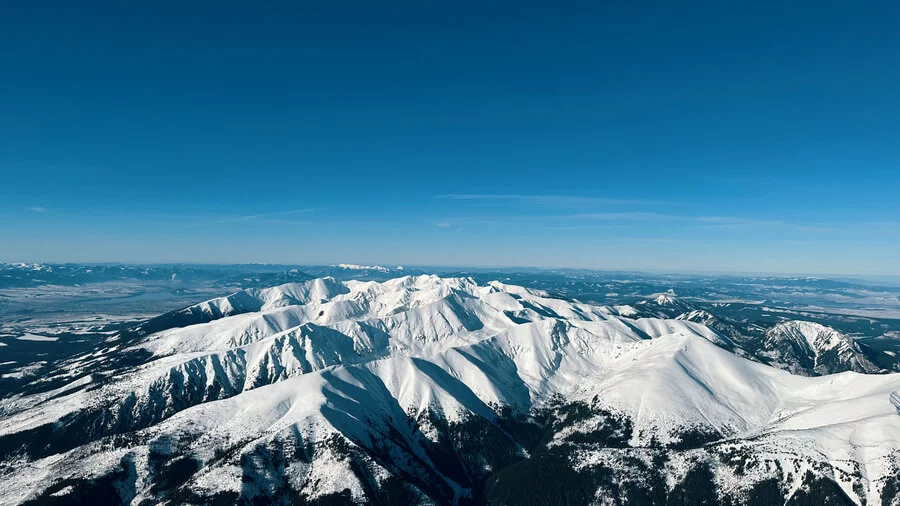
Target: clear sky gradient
<point>716,136</point>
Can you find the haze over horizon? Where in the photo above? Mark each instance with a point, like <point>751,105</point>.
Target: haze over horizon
<point>692,137</point>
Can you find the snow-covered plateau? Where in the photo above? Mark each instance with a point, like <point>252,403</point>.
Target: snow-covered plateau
<point>429,390</point>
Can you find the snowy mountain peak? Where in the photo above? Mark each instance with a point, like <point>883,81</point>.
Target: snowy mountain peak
<point>662,305</point>
<point>663,299</point>
<point>697,315</point>
<point>815,335</point>
<point>355,267</point>
<point>795,345</point>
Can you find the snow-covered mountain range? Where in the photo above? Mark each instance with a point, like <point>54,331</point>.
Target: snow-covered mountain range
<point>802,347</point>
<point>429,390</point>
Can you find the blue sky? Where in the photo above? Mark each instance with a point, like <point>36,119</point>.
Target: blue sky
<point>666,136</point>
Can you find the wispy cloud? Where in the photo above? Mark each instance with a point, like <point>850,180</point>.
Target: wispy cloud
<point>579,227</point>
<point>443,224</point>
<point>36,209</point>
<point>709,222</point>
<point>269,218</point>
<point>612,210</point>
<point>735,222</point>
<point>546,200</point>
<point>624,216</point>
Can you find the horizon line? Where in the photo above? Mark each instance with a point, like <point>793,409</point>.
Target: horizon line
<point>393,265</point>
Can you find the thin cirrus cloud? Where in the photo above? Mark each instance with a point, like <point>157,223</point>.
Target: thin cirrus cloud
<point>734,222</point>
<point>268,218</point>
<point>570,201</point>
<point>703,221</point>
<point>546,200</point>
<point>559,203</point>
<point>712,223</point>
<point>636,215</point>
<point>594,220</point>
<point>36,209</point>
<point>623,216</point>
<point>578,227</point>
